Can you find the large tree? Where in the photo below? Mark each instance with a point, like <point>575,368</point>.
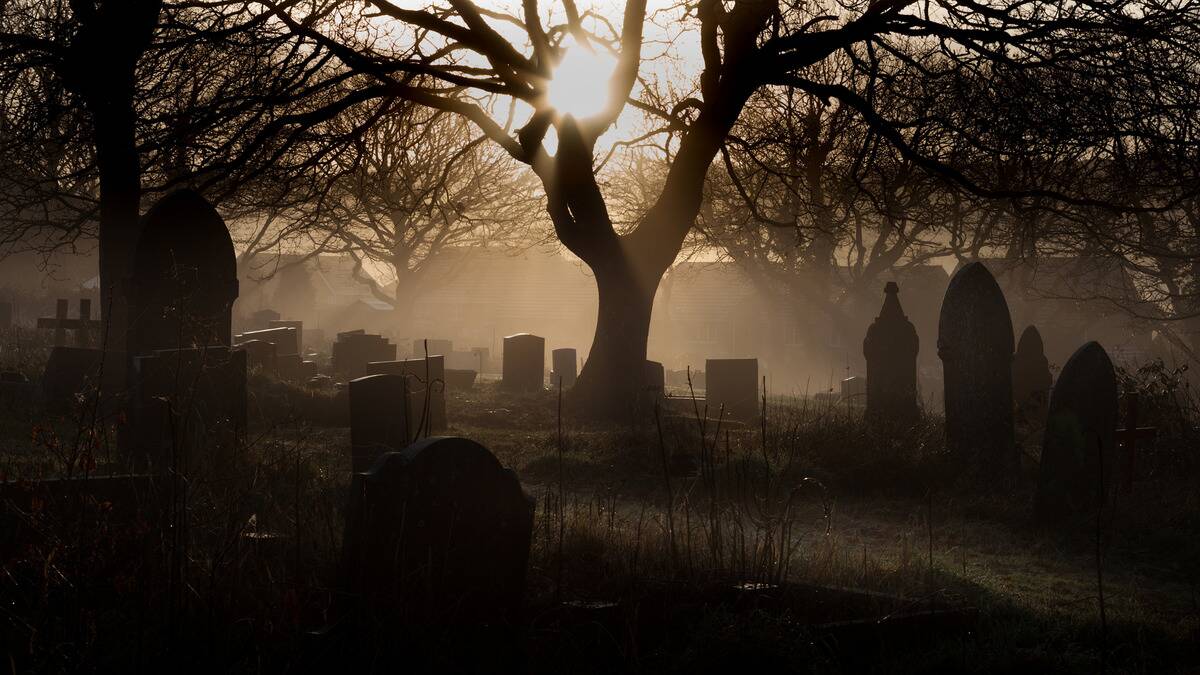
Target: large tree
<point>476,55</point>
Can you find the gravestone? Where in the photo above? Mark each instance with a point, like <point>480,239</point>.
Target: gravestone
<point>891,348</point>
<point>260,354</point>
<point>70,371</point>
<point>190,407</point>
<point>353,350</point>
<point>460,379</point>
<point>379,420</point>
<point>565,364</point>
<point>1077,474</point>
<point>854,390</point>
<point>655,378</point>
<point>975,344</point>
<point>426,387</point>
<point>1031,382</point>
<point>184,279</point>
<point>483,359</point>
<point>732,383</point>
<point>291,323</point>
<point>435,347</point>
<point>286,340</point>
<point>83,327</point>
<point>6,314</point>
<point>438,533</point>
<point>1128,438</point>
<point>262,319</point>
<point>524,362</point>
<point>462,361</point>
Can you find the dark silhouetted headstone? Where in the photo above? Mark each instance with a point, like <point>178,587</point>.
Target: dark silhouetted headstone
<point>1031,382</point>
<point>524,362</point>
<point>1128,438</point>
<point>262,319</point>
<point>891,348</point>
<point>184,279</point>
<point>854,390</point>
<point>438,533</point>
<point>655,378</point>
<point>426,390</point>
<point>975,344</point>
<point>460,379</point>
<point>353,350</point>
<point>379,421</point>
<point>297,325</point>
<point>733,384</point>
<point>1076,473</point>
<point>259,354</point>
<point>286,340</point>
<point>565,367</point>
<point>190,407</point>
<point>70,371</point>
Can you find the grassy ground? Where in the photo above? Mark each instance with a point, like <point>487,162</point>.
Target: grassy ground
<point>621,511</point>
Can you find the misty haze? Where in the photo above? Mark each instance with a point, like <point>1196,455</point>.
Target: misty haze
<point>709,336</point>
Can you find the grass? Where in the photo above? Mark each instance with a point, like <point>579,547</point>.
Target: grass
<point>624,513</point>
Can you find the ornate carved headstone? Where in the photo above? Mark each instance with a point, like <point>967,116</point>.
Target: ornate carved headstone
<point>975,344</point>
<point>524,362</point>
<point>732,384</point>
<point>379,421</point>
<point>1031,382</point>
<point>184,278</point>
<point>891,348</point>
<point>438,533</point>
<point>565,368</point>
<point>1078,449</point>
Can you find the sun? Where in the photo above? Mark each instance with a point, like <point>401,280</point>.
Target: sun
<point>581,82</point>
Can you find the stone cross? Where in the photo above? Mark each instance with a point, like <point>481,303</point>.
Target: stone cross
<point>891,348</point>
<point>83,326</point>
<point>975,344</point>
<point>1128,439</point>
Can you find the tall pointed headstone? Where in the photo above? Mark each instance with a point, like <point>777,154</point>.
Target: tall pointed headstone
<point>1031,382</point>
<point>1076,471</point>
<point>891,348</point>
<point>975,344</point>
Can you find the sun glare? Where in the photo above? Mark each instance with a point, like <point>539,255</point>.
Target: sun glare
<point>581,82</point>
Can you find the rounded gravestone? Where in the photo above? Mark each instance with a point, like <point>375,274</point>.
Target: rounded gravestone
<point>1076,471</point>
<point>891,348</point>
<point>184,279</point>
<point>1031,381</point>
<point>438,533</point>
<point>975,344</point>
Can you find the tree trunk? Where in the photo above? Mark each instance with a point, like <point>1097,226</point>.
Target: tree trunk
<point>120,193</point>
<point>612,384</point>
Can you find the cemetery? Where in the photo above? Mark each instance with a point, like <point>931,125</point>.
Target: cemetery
<point>705,337</point>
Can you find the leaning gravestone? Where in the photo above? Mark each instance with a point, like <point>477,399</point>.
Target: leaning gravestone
<point>379,421</point>
<point>1076,474</point>
<point>438,533</point>
<point>891,348</point>
<point>1031,382</point>
<point>426,390</point>
<point>975,344</point>
<point>565,367</point>
<point>732,384</point>
<point>184,279</point>
<point>524,362</point>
